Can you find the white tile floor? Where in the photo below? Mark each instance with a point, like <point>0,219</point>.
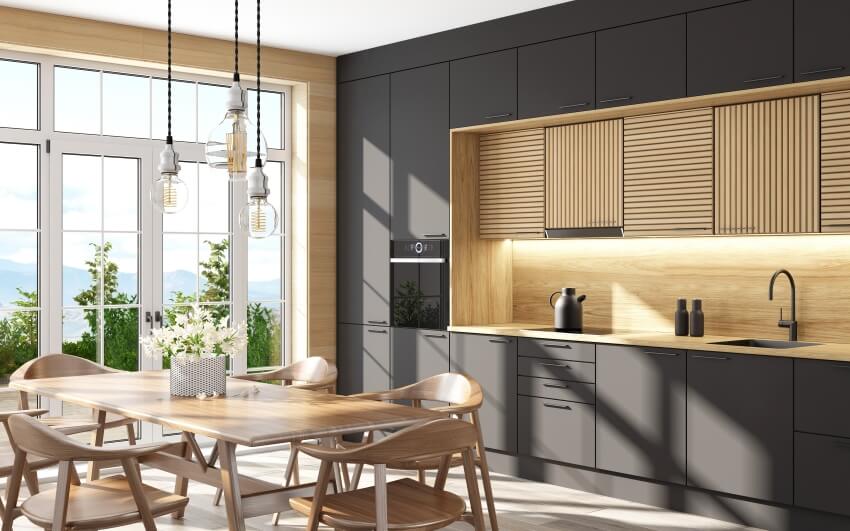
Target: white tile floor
<point>522,505</point>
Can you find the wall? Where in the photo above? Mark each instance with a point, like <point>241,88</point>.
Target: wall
<point>314,127</point>
<point>633,283</point>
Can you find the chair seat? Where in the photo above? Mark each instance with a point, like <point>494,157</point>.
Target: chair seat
<point>73,425</point>
<point>410,505</point>
<point>7,460</point>
<point>101,503</point>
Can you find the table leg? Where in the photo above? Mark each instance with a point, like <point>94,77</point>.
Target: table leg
<point>96,440</point>
<point>181,484</point>
<point>230,486</point>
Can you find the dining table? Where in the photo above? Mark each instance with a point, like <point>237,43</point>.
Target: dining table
<point>249,414</point>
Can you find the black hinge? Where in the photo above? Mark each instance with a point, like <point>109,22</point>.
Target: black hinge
<point>47,146</point>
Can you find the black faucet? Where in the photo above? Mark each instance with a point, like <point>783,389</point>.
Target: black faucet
<point>791,324</point>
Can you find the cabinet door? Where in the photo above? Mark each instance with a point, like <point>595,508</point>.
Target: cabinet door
<point>418,354</point>
<point>740,46</point>
<point>556,430</point>
<point>492,360</point>
<point>363,356</point>
<point>641,62</point>
<point>821,39</point>
<point>557,77</point>
<point>835,161</point>
<point>420,152</point>
<point>483,89</point>
<point>767,168</point>
<point>822,472</point>
<point>584,175</point>
<point>640,412</point>
<point>740,425</point>
<point>363,202</point>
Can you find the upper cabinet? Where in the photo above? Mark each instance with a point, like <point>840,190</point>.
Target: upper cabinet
<point>557,77</point>
<point>484,89</point>
<point>740,46</point>
<point>419,113</point>
<point>363,217</point>
<point>835,162</point>
<point>821,39</point>
<point>641,62</point>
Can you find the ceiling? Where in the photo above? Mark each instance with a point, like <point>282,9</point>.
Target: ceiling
<point>330,27</point>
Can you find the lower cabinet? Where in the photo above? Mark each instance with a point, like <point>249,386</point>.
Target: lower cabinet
<point>363,357</point>
<point>740,425</point>
<point>640,419</point>
<point>821,472</point>
<point>492,361</point>
<point>557,430</point>
<point>418,354</point>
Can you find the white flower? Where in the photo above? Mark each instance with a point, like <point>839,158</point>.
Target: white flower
<point>196,334</point>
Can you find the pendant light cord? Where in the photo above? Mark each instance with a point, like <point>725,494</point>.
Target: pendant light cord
<point>236,40</point>
<point>259,161</point>
<point>168,139</point>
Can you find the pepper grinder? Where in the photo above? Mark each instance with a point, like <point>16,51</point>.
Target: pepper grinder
<point>681,318</point>
<point>697,319</point>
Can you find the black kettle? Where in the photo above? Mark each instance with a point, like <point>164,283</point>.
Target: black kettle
<point>568,310</point>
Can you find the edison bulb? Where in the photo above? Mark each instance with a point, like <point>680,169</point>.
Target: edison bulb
<point>258,218</point>
<point>169,194</point>
<point>228,147</point>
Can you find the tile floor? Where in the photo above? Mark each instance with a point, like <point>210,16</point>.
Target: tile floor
<point>522,505</point>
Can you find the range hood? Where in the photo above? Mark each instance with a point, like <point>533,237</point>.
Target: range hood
<point>588,232</point>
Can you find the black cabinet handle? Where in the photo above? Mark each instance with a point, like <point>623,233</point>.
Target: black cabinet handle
<point>503,115</point>
<point>841,366</point>
<point>558,365</point>
<point>441,235</point>
<point>656,353</point>
<point>760,79</point>
<point>554,386</point>
<point>502,341</point>
<point>555,406</point>
<point>574,105</point>
<point>552,345</point>
<point>371,331</point>
<point>438,336</point>
<point>822,71</point>
<point>612,100</point>
<point>843,444</point>
<point>701,357</point>
<point>377,322</point>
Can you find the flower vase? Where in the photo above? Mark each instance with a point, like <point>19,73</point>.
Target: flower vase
<point>194,375</point>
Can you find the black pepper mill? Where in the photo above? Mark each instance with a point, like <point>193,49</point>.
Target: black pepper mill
<point>681,317</point>
<point>697,319</point>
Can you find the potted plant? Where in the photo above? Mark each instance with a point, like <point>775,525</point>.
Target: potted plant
<point>197,345</point>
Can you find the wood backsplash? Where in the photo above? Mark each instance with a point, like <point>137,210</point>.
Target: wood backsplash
<point>633,284</point>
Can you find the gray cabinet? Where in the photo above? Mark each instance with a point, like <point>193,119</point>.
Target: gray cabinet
<point>363,358</point>
<point>821,39</point>
<point>418,354</point>
<point>419,134</point>
<point>557,77</point>
<point>575,371</point>
<point>821,472</point>
<point>640,419</point>
<point>740,425</point>
<point>492,361</point>
<point>483,89</point>
<point>363,199</point>
<point>556,430</point>
<point>822,397</point>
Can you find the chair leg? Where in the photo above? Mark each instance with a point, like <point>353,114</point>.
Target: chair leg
<point>181,484</point>
<point>421,474</point>
<point>485,475</point>
<point>291,476</point>
<point>319,495</point>
<point>443,473</point>
<point>97,440</point>
<point>381,519</point>
<point>131,434</point>
<point>63,491</point>
<point>472,489</point>
<point>134,479</point>
<point>355,478</point>
<point>13,488</point>
<point>32,480</point>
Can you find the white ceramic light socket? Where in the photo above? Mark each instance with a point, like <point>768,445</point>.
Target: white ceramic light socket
<point>169,161</point>
<point>237,99</point>
<point>258,183</point>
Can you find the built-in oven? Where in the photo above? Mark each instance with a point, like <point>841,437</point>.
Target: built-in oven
<point>420,283</point>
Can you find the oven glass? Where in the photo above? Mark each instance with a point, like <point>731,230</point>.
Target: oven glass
<point>416,295</point>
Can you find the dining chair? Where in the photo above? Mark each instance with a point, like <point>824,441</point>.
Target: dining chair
<point>98,504</point>
<point>455,394</point>
<point>400,504</point>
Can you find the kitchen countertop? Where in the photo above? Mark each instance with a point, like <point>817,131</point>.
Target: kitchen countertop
<point>822,351</point>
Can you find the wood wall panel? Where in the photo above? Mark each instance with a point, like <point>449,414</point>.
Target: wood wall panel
<point>835,162</point>
<point>584,172</point>
<point>668,173</point>
<point>767,167</point>
<point>511,176</point>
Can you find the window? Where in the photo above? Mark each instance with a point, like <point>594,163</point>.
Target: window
<point>19,92</point>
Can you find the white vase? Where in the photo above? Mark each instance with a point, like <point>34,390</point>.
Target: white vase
<point>191,376</point>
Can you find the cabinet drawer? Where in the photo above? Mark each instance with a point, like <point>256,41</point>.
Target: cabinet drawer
<point>822,397</point>
<point>822,472</point>
<point>558,350</point>
<point>556,430</point>
<point>557,390</point>
<point>575,371</point>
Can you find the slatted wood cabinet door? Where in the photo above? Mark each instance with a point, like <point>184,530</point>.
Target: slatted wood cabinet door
<point>835,162</point>
<point>511,182</point>
<point>668,174</point>
<point>767,167</point>
<point>584,175</point>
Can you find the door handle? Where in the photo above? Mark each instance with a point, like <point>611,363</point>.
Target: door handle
<point>556,365</point>
<point>612,100</point>
<point>552,345</point>
<point>822,71</point>
<point>502,115</point>
<point>148,318</point>
<point>157,317</point>
<point>574,105</point>
<point>501,341</point>
<point>767,78</point>
<point>372,331</point>
<point>555,406</point>
<point>436,336</point>
<point>377,322</point>
<point>441,235</point>
<point>670,354</point>
<point>717,358</point>
<point>554,386</point>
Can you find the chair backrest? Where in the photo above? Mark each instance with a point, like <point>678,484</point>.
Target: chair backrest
<point>315,373</point>
<point>463,393</point>
<point>56,365</point>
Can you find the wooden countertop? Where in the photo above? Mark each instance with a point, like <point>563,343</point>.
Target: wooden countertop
<point>822,351</point>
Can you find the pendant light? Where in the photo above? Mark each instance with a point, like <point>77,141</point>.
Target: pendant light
<point>169,194</point>
<point>227,147</point>
<point>258,217</point>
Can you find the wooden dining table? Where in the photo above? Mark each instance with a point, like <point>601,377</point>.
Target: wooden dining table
<point>250,414</point>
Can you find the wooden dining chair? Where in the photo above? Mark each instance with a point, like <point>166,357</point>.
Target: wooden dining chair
<point>99,504</point>
<point>455,394</point>
<point>400,504</point>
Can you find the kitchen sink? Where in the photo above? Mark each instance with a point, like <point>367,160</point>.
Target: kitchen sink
<point>765,343</point>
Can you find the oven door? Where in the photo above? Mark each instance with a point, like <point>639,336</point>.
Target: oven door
<point>419,294</point>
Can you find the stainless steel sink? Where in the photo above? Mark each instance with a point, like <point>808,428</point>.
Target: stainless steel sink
<point>765,343</point>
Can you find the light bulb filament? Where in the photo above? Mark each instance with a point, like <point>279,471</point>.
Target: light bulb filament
<point>237,151</point>
<point>258,220</point>
<point>169,194</point>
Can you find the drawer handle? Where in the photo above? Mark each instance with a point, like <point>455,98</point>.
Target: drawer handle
<point>371,331</point>
<point>441,235</point>
<point>552,345</point>
<point>574,105</point>
<point>558,365</point>
<point>842,444</point>
<point>554,386</point>
<point>502,115</point>
<point>841,366</point>
<point>760,79</point>
<point>502,341</point>
<point>702,357</point>
<point>437,336</point>
<point>656,353</point>
<point>556,406</point>
<point>822,71</point>
<point>377,322</point>
<point>612,100</point>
